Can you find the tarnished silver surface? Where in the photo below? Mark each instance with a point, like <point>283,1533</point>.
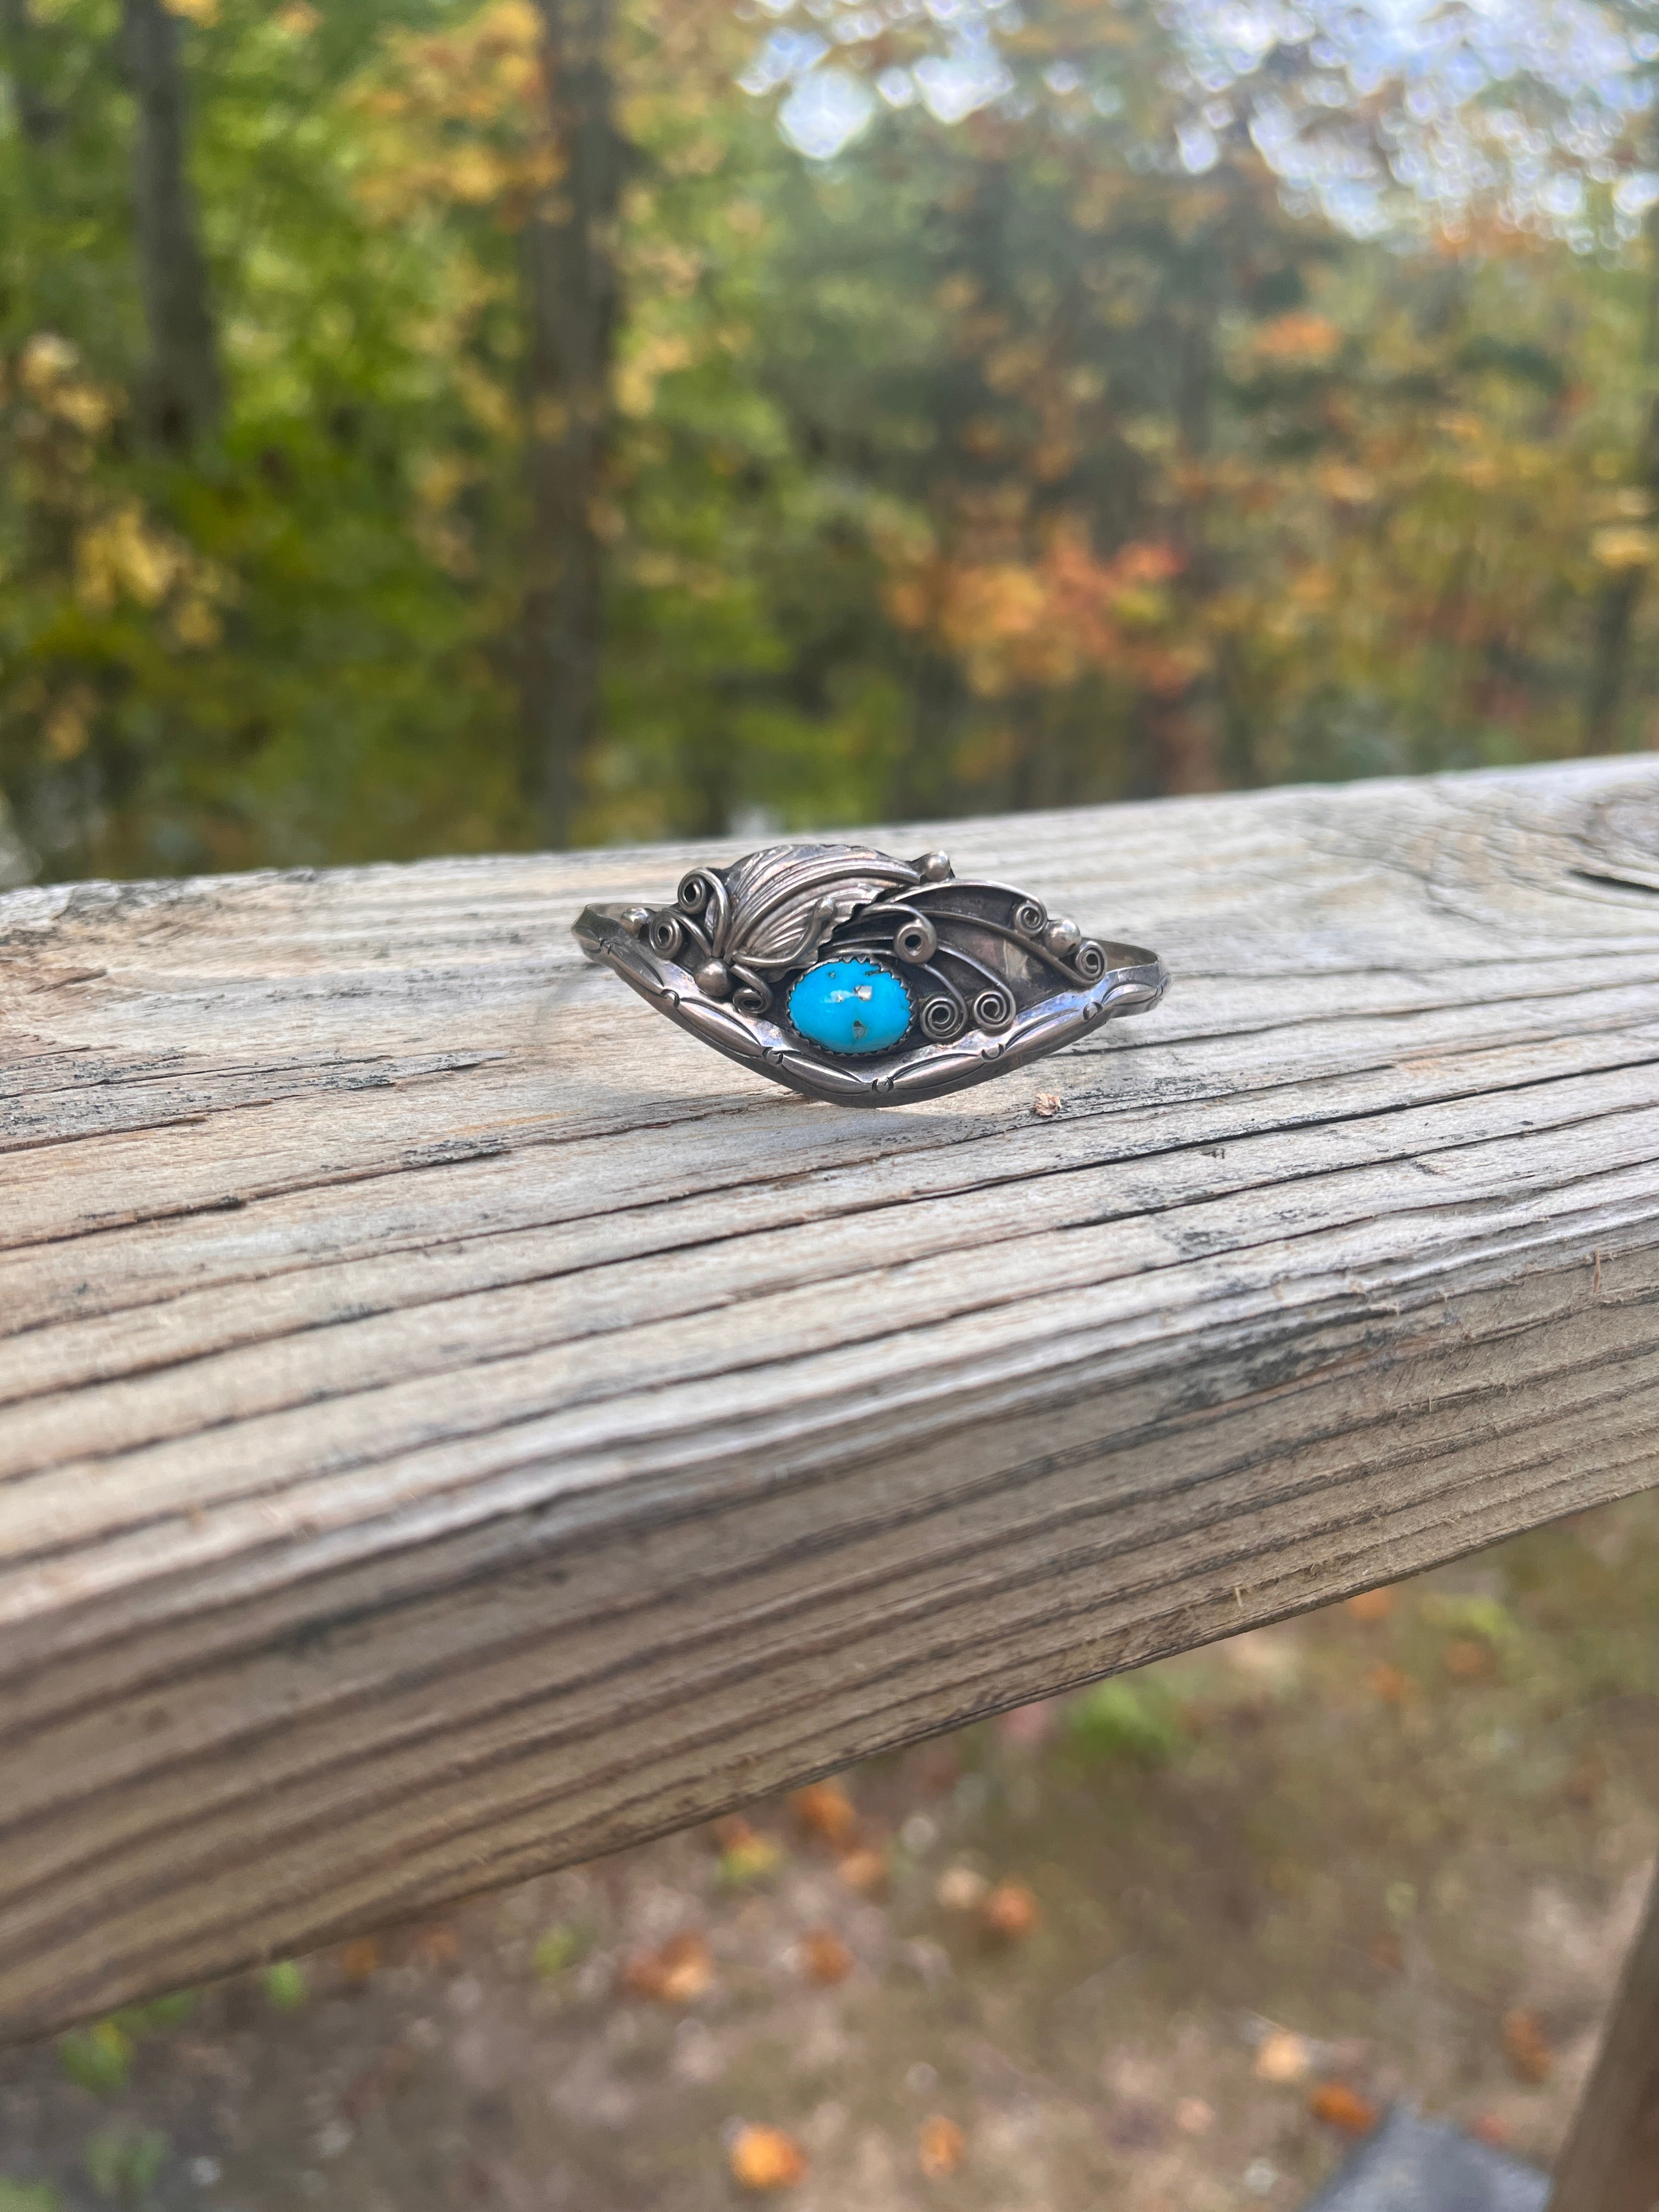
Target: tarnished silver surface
<point>994,981</point>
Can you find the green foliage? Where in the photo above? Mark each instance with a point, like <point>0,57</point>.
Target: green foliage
<point>999,466</point>
<point>157,2016</point>
<point>751,1860</point>
<point>1134,1723</point>
<point>123,2165</point>
<point>1485,1619</point>
<point>285,1985</point>
<point>28,2197</point>
<point>98,2058</point>
<point>565,1944</point>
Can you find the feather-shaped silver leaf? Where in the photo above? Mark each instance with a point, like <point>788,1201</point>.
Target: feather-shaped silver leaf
<point>784,900</point>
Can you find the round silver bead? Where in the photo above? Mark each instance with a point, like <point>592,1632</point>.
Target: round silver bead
<point>713,979</point>
<point>1063,938</point>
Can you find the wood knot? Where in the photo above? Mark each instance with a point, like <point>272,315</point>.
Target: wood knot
<point>1620,843</point>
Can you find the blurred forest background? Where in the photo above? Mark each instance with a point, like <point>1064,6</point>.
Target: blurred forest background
<point>428,426</point>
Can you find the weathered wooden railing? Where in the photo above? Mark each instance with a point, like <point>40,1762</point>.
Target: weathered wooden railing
<point>454,1423</point>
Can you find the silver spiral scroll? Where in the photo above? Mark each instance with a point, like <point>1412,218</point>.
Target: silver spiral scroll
<point>980,953</point>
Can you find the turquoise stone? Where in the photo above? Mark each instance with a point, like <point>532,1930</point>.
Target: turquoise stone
<point>851,1007</point>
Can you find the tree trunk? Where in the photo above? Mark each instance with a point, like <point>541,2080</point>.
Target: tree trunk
<point>20,42</point>
<point>1621,595</point>
<point>570,266</point>
<point>1616,615</point>
<point>181,395</point>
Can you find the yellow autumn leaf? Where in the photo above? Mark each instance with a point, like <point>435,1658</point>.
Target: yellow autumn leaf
<point>1624,545</point>
<point>477,176</point>
<point>123,556</point>
<point>45,358</point>
<point>66,725</point>
<point>1347,485</point>
<point>84,406</point>
<point>196,624</point>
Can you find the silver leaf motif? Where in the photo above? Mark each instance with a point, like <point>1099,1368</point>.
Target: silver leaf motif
<point>786,899</point>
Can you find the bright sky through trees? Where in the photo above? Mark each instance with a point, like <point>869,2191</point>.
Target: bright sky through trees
<point>1390,115</point>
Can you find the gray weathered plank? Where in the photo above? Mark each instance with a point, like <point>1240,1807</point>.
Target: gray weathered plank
<point>450,1422</point>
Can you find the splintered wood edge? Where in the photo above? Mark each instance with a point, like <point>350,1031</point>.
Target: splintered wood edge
<point>443,1440</point>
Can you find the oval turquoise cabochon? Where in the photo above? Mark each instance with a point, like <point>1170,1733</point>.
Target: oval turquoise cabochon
<point>851,1007</point>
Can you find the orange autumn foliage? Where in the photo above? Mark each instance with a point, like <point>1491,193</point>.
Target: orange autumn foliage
<point>1010,1912</point>
<point>360,1958</point>
<point>1391,1684</point>
<point>677,1972</point>
<point>1371,1606</point>
<point>941,2148</point>
<point>864,1871</point>
<point>825,1811</point>
<point>1045,617</point>
<point>1527,2047</point>
<point>824,1958</point>
<point>1469,1661</point>
<point>1344,2108</point>
<point>766,2158</point>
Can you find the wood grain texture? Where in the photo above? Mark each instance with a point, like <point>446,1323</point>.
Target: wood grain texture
<point>450,1422</point>
<point>1611,2163</point>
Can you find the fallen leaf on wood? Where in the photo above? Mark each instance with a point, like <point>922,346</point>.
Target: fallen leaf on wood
<point>1283,2057</point>
<point>1046,1105</point>
<point>680,1970</point>
<point>825,1810</point>
<point>825,1959</point>
<point>1526,2046</point>
<point>1009,1911</point>
<point>766,2158</point>
<point>1339,2106</point>
<point>941,2148</point>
